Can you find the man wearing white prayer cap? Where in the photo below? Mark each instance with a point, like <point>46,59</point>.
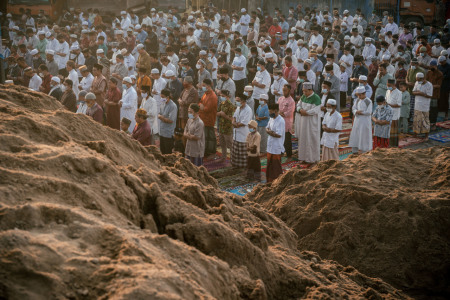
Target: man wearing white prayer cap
<point>55,88</point>
<point>361,135</point>
<point>128,103</point>
<point>332,126</point>
<point>307,125</point>
<point>159,84</point>
<point>423,90</point>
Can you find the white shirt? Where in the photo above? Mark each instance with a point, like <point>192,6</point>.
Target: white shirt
<point>300,26</point>
<point>125,23</point>
<point>215,66</point>
<point>301,53</point>
<point>245,19</point>
<point>150,106</point>
<point>391,27</point>
<point>158,85</point>
<point>276,145</point>
<point>293,45</point>
<point>394,97</point>
<point>224,47</point>
<point>167,68</point>
<point>369,52</point>
<point>86,82</point>
<point>278,85</point>
<point>242,115</point>
<point>318,40</point>
<point>239,62</point>
<point>147,21</point>
<point>334,121</point>
<point>423,103</point>
<point>52,45</point>
<point>62,60</point>
<point>262,77</point>
<point>311,76</point>
<point>343,83</point>
<point>347,59</point>
<point>35,83</point>
<point>130,61</point>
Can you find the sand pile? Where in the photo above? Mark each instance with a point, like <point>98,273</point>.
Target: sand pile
<point>87,213</point>
<point>387,213</point>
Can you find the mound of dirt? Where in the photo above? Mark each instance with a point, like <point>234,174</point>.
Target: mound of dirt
<point>86,212</point>
<point>387,213</point>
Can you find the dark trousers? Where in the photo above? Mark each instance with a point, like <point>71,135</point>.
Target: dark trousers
<point>343,101</point>
<point>288,144</point>
<point>240,84</point>
<point>166,145</point>
<point>434,111</point>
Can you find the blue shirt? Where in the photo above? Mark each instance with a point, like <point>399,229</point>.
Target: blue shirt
<point>169,111</point>
<point>263,111</point>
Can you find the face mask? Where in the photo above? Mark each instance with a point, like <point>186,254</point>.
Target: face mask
<point>204,88</point>
<point>98,57</point>
<point>419,82</point>
<point>326,28</point>
<point>276,77</point>
<point>261,102</point>
<point>272,115</point>
<point>422,54</point>
<point>124,86</point>
<point>198,66</point>
<point>252,130</point>
<point>191,116</point>
<point>326,74</point>
<point>238,104</point>
<point>223,98</point>
<point>209,55</point>
<point>114,49</point>
<point>144,95</point>
<point>324,91</point>
<point>312,58</point>
<point>413,67</point>
<point>52,85</point>
<point>400,53</point>
<point>183,68</point>
<point>329,109</point>
<point>381,105</point>
<point>163,100</point>
<point>258,68</point>
<point>301,80</point>
<point>42,75</point>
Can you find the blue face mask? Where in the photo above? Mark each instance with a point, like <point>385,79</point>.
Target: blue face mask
<point>191,116</point>
<point>204,88</point>
<point>326,74</point>
<point>324,91</point>
<point>272,115</point>
<point>223,98</point>
<point>124,86</point>
<point>238,104</point>
<point>261,102</point>
<point>245,94</point>
<point>389,88</point>
<point>258,68</point>
<point>252,130</point>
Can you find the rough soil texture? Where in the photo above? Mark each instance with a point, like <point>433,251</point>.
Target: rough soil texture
<point>87,213</point>
<point>387,213</point>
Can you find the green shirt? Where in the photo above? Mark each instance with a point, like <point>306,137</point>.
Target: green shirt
<point>225,125</point>
<point>313,99</point>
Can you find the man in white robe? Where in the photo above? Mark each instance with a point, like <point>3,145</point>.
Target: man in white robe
<point>361,135</point>
<point>307,125</point>
<point>128,103</point>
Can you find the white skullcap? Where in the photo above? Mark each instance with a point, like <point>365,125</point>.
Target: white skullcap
<point>51,52</point>
<point>40,32</point>
<point>344,24</point>
<point>140,46</point>
<point>9,16</point>
<point>202,52</point>
<point>48,34</point>
<point>293,29</point>
<point>264,97</point>
<point>155,71</point>
<point>133,77</point>
<point>16,28</point>
<point>420,74</point>
<point>267,42</point>
<point>56,79</point>
<point>163,29</point>
<point>84,31</point>
<point>90,96</point>
<point>138,27</point>
<point>123,12</point>
<point>308,61</point>
<point>441,58</point>
<point>331,102</point>
<point>74,48</point>
<point>127,79</point>
<point>99,51</point>
<point>300,42</point>
<point>169,73</point>
<point>243,10</point>
<point>248,88</point>
<point>198,23</point>
<point>360,90</point>
<point>85,23</point>
<point>123,51</point>
<point>34,52</point>
<point>205,24</point>
<point>74,36</point>
<point>444,53</point>
<point>363,77</point>
<point>153,9</point>
<point>226,31</point>
<point>130,29</point>
<point>345,12</point>
<point>291,35</point>
<point>190,17</point>
<point>119,32</point>
<point>347,37</point>
<point>308,85</point>
<point>368,39</point>
<point>437,41</point>
<point>216,30</point>
<point>269,55</point>
<point>386,57</point>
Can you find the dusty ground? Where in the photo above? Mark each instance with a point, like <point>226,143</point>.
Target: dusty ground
<point>87,213</point>
<point>386,212</point>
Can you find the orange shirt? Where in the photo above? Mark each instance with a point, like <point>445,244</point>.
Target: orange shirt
<point>209,112</point>
<point>141,81</point>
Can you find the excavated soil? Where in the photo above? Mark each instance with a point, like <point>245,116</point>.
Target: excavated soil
<point>387,213</point>
<point>88,213</point>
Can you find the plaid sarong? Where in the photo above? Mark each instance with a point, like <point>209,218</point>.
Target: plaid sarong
<point>239,154</point>
<point>421,122</point>
<point>393,138</point>
<point>379,142</point>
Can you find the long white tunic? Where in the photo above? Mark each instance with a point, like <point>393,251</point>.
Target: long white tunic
<point>334,121</point>
<point>35,83</point>
<point>361,135</point>
<point>307,129</point>
<point>394,97</point>
<point>151,108</point>
<point>62,60</point>
<point>86,82</point>
<point>73,75</point>
<point>129,106</point>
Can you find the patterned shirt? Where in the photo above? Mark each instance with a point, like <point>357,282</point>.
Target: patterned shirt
<point>383,114</point>
<point>225,126</point>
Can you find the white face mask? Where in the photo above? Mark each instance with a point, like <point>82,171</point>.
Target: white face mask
<point>198,66</point>
<point>144,95</point>
<point>329,109</point>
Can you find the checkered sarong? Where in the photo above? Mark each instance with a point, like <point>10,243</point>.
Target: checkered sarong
<point>239,154</point>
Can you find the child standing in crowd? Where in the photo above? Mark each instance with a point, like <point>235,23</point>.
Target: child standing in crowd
<point>262,118</point>
<point>404,111</point>
<point>382,118</point>
<point>253,160</point>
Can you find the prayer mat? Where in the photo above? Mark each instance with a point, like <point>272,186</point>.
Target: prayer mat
<point>442,136</point>
<point>216,164</point>
<point>344,156</point>
<point>242,190</point>
<point>409,141</point>
<point>445,124</point>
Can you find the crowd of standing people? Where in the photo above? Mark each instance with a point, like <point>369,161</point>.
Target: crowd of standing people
<point>252,80</point>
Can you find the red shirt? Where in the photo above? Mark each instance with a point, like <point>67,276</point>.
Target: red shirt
<point>142,133</point>
<point>209,112</point>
